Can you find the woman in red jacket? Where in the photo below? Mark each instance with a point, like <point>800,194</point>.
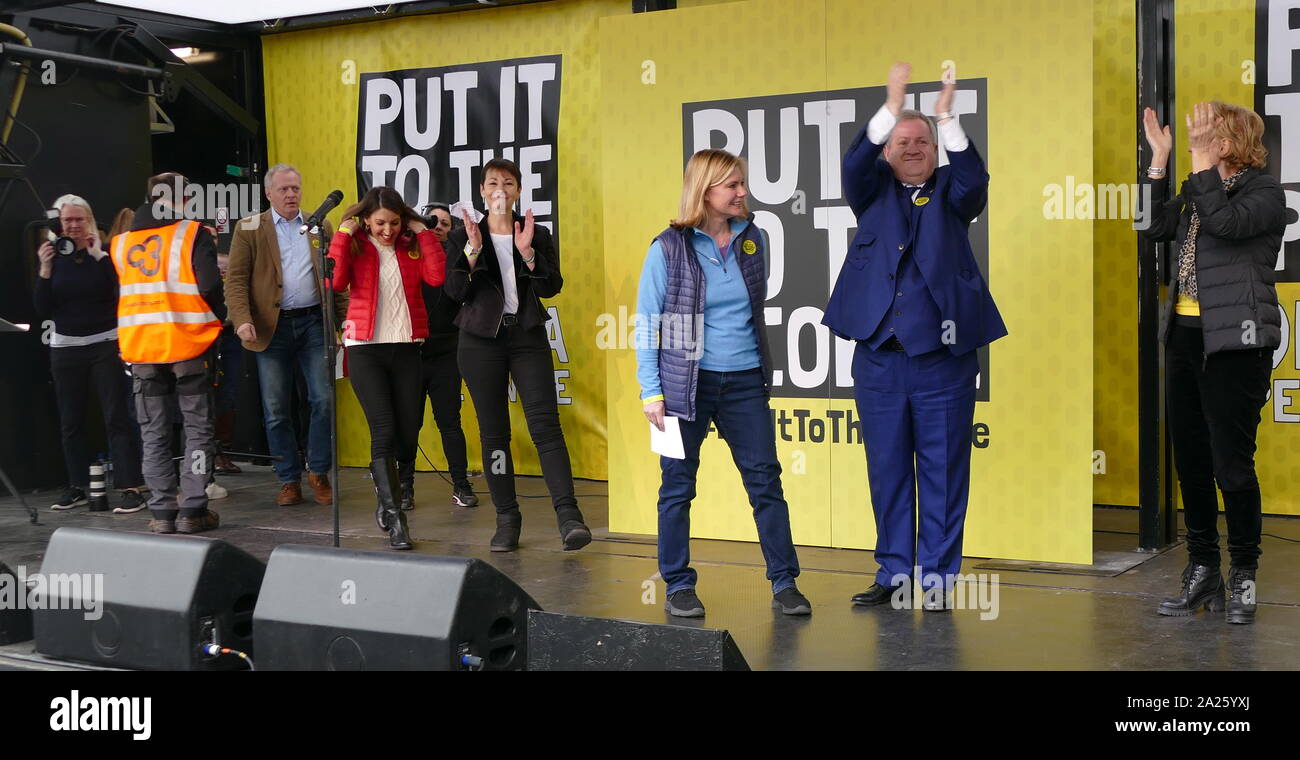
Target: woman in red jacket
<point>384,252</point>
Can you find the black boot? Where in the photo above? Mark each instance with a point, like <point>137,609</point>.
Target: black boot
<point>506,539</point>
<point>1241,595</point>
<point>379,474</point>
<point>573,531</point>
<point>406,482</point>
<point>389,516</point>
<point>1202,585</point>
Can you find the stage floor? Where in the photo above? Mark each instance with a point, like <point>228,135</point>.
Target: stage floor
<point>1044,620</point>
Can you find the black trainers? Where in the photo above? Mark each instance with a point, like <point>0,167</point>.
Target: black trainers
<point>790,602</point>
<point>684,603</point>
<point>132,502</point>
<point>462,495</point>
<point>71,497</point>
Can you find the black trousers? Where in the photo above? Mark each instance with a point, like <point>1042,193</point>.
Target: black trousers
<point>488,364</point>
<point>79,371</point>
<point>1214,405</point>
<point>386,379</point>
<point>440,377</point>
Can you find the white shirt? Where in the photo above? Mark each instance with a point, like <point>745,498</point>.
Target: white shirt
<point>505,248</point>
<point>951,134</point>
<point>392,316</point>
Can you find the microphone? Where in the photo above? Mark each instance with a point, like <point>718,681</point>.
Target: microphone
<point>331,200</point>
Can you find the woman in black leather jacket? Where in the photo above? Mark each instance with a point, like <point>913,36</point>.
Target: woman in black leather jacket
<point>499,269</point>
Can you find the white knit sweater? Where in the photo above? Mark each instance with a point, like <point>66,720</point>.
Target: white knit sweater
<point>392,316</point>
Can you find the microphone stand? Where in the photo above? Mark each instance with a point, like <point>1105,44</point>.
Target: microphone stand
<point>331,359</point>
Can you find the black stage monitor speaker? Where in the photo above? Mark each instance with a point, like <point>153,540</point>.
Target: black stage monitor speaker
<point>341,609</point>
<point>15,613</point>
<point>133,600</point>
<point>575,642</point>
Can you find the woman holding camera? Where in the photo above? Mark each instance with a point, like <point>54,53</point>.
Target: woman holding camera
<point>384,252</point>
<point>76,294</point>
<point>1220,326</point>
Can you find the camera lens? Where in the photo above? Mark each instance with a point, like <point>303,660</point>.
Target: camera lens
<point>66,246</point>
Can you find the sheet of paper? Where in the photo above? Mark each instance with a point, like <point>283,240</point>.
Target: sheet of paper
<point>669,442</point>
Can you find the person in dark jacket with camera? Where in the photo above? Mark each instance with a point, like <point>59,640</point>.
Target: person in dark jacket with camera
<point>1220,325</point>
<point>76,294</point>
<point>499,269</point>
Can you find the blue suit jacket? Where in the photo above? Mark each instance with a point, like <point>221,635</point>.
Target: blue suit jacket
<point>939,241</point>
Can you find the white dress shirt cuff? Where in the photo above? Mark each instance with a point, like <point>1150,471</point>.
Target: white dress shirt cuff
<point>880,125</point>
<point>952,135</point>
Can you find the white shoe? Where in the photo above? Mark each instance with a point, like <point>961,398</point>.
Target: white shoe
<point>215,491</point>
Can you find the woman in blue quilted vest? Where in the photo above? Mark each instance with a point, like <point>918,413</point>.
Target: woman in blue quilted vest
<point>703,359</point>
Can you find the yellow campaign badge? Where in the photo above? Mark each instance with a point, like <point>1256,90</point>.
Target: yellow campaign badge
<point>921,201</point>
<point>413,253</point>
<point>749,246</point>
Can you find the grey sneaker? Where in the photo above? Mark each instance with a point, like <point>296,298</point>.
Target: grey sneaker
<point>790,602</point>
<point>684,603</point>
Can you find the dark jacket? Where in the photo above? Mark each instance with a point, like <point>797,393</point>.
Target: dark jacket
<point>204,258</point>
<point>480,292</point>
<point>442,311</point>
<point>80,296</point>
<point>682,329</point>
<point>937,237</point>
<point>1236,252</point>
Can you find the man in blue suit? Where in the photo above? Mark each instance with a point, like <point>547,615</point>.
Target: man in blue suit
<point>912,296</point>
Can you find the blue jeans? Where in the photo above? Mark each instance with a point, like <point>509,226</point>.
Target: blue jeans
<point>297,341</point>
<point>737,404</point>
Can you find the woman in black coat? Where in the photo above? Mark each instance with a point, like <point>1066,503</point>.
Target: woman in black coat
<point>499,269</point>
<point>1220,326</point>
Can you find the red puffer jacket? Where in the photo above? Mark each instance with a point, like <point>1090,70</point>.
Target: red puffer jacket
<point>356,264</point>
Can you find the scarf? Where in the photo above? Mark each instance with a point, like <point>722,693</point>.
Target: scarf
<point>1187,254</point>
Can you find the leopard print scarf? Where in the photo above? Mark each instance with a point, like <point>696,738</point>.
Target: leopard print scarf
<point>1187,254</point>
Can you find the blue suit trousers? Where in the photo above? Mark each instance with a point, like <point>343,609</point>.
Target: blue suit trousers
<point>916,414</point>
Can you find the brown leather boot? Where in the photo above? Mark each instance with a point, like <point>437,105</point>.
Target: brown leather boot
<point>198,523</point>
<point>320,484</point>
<point>290,494</point>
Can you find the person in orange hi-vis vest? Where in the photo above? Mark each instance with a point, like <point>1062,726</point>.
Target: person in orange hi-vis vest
<point>169,312</point>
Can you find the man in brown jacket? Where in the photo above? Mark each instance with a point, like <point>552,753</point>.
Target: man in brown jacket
<point>274,295</point>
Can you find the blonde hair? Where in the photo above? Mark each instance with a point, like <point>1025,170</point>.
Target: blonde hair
<point>1245,129</point>
<point>76,200</point>
<point>122,222</point>
<point>706,169</point>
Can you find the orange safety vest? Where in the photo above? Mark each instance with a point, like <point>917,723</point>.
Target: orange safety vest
<point>161,317</point>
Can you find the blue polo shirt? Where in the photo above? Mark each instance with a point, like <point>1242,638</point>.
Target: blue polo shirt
<point>730,339</point>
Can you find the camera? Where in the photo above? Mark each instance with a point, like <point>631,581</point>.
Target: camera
<point>63,245</point>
